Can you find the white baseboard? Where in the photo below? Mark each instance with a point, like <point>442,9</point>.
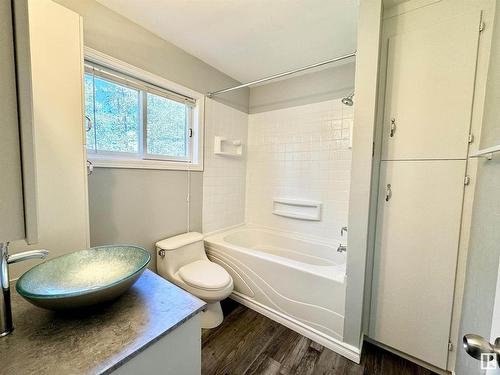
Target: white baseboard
<point>345,350</point>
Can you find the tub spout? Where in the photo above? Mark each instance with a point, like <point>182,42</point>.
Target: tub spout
<point>341,248</point>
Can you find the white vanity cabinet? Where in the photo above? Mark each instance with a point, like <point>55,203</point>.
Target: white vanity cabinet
<point>177,353</point>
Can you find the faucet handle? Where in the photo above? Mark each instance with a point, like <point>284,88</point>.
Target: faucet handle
<point>343,230</point>
<point>32,254</point>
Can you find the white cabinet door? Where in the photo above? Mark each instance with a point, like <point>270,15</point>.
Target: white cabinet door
<point>429,91</point>
<point>415,256</point>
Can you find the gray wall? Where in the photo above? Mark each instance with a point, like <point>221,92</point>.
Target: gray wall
<point>484,249</point>
<point>325,84</point>
<point>143,206</point>
<point>138,206</point>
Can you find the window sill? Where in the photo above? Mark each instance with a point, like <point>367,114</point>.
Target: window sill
<point>106,162</point>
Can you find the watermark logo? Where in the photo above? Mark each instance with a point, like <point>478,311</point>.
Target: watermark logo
<point>489,361</point>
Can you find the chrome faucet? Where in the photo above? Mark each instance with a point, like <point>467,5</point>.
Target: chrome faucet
<point>6,325</point>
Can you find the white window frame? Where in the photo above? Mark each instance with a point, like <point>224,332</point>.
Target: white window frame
<point>147,161</point>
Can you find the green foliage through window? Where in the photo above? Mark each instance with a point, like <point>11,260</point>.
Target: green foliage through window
<point>166,127</point>
<point>123,115</point>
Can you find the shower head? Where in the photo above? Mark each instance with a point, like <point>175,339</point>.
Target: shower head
<point>348,100</point>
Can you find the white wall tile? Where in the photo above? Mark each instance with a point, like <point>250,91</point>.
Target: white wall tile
<point>224,177</point>
<point>300,153</point>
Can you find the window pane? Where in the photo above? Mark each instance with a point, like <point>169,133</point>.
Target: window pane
<point>166,127</point>
<point>89,111</point>
<point>117,117</point>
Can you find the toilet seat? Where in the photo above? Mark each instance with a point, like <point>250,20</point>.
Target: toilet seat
<point>204,274</point>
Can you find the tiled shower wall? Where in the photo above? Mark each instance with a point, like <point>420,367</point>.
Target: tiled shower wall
<point>300,153</point>
<point>224,176</point>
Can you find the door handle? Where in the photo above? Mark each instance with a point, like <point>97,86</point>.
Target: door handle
<point>388,192</point>
<point>393,128</point>
<point>480,348</point>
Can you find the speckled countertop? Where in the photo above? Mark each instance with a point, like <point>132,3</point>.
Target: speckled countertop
<point>94,340</point>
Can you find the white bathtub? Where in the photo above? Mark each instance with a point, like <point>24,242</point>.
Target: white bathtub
<point>298,282</point>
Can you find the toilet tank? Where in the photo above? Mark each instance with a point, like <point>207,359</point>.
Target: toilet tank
<point>174,252</point>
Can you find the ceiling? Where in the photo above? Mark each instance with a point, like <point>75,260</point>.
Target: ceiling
<point>249,39</point>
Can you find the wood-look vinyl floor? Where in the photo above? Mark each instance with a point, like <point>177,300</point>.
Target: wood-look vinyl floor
<point>249,343</point>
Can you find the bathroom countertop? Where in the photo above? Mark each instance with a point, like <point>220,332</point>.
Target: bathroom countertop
<point>98,339</point>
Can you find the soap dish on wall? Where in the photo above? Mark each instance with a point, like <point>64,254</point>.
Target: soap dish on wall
<point>226,147</point>
<point>297,209</point>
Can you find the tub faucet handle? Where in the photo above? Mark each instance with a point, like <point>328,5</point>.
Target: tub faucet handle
<point>341,248</point>
<point>343,230</point>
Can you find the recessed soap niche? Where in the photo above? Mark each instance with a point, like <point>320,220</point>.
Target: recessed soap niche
<point>227,147</point>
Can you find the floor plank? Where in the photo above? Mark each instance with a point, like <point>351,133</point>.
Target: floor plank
<point>248,343</point>
<point>264,365</point>
<point>308,362</point>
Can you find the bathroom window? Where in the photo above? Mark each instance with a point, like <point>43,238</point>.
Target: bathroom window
<point>167,128</point>
<point>114,111</point>
<point>134,123</point>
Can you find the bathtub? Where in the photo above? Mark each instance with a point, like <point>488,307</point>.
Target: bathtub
<point>296,281</point>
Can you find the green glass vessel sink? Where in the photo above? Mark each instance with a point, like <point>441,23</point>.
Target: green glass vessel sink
<point>83,278</point>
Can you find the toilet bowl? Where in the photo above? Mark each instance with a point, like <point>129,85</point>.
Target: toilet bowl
<point>183,261</point>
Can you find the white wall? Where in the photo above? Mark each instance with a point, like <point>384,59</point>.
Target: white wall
<point>315,86</point>
<point>302,153</point>
<point>367,60</point>
<point>224,176</point>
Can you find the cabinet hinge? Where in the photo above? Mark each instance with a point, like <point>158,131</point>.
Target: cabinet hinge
<point>466,180</point>
<point>482,26</point>
<point>450,346</point>
<point>471,138</point>
<point>190,133</point>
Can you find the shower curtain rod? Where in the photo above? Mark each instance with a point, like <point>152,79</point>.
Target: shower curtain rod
<point>211,94</point>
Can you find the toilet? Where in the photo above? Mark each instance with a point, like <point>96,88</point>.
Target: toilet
<point>183,261</point>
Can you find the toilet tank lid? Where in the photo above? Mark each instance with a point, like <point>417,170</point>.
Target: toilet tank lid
<point>176,242</point>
